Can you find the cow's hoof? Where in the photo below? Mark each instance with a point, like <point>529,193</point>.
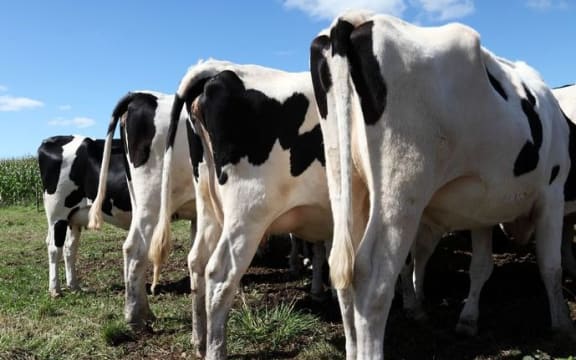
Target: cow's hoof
<point>75,288</point>
<point>565,330</point>
<point>141,327</point>
<point>318,296</point>
<point>55,293</point>
<point>143,324</point>
<point>199,349</point>
<point>467,328</point>
<point>416,314</point>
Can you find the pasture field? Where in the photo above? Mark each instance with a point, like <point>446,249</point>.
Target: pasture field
<point>273,316</point>
<point>89,324</point>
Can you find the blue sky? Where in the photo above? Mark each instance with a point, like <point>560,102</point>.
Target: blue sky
<point>65,63</point>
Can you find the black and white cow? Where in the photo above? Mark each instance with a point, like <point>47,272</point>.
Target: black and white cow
<point>260,171</point>
<point>412,276</point>
<point>440,135</point>
<point>144,120</point>
<point>69,168</point>
<point>566,97</point>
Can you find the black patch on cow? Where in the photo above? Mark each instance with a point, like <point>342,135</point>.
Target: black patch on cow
<point>50,161</point>
<point>305,149</point>
<point>78,174</point>
<point>140,128</point>
<point>570,184</point>
<point>193,89</point>
<point>117,193</point>
<point>408,260</point>
<point>528,158</point>
<point>120,108</point>
<point>60,229</point>
<point>247,123</point>
<point>174,118</point>
<point>529,95</point>
<point>321,77</point>
<point>223,178</point>
<point>340,37</point>
<point>124,142</point>
<point>563,86</point>
<point>366,75</point>
<point>497,86</point>
<point>554,173</point>
<point>85,173</point>
<point>195,148</point>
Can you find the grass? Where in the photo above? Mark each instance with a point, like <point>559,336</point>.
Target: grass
<point>89,324</point>
<point>272,330</point>
<point>266,321</point>
<point>34,325</point>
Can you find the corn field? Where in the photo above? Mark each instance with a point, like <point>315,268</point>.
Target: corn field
<point>20,181</point>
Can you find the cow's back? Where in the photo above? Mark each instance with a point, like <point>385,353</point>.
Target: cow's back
<point>473,103</point>
<point>265,134</point>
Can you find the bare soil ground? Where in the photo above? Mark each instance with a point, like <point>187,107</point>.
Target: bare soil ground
<point>514,320</point>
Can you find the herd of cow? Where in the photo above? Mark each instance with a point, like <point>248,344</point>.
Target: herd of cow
<point>397,135</point>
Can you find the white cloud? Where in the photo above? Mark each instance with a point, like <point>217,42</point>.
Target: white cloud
<point>440,10</point>
<point>64,107</point>
<point>329,9</point>
<point>13,103</point>
<point>79,122</point>
<point>546,4</point>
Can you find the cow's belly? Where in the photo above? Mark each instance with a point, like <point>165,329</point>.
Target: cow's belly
<point>311,223</point>
<point>187,211</point>
<point>468,202</point>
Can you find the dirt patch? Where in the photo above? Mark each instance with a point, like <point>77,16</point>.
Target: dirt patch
<point>514,318</point>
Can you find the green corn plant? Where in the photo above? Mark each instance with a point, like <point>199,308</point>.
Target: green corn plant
<point>20,182</point>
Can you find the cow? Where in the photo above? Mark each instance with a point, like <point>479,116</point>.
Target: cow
<point>482,264</point>
<point>566,96</point>
<point>260,171</point>
<point>144,121</point>
<point>440,135</point>
<point>69,169</point>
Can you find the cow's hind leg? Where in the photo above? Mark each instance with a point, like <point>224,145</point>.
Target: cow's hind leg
<point>70,254</point>
<point>481,267</point>
<point>55,240</point>
<point>379,260</point>
<point>414,271</point>
<point>296,247</point>
<point>236,248</point>
<point>204,243</point>
<point>548,252</point>
<point>568,261</point>
<point>346,302</point>
<point>318,259</point>
<point>135,249</point>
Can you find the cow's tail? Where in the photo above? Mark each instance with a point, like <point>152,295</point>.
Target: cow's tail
<point>343,253</point>
<point>161,242</point>
<point>95,214</point>
<point>190,87</point>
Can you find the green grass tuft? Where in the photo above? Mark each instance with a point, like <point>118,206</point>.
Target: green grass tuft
<point>48,310</point>
<point>276,328</point>
<point>322,350</point>
<point>116,332</point>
